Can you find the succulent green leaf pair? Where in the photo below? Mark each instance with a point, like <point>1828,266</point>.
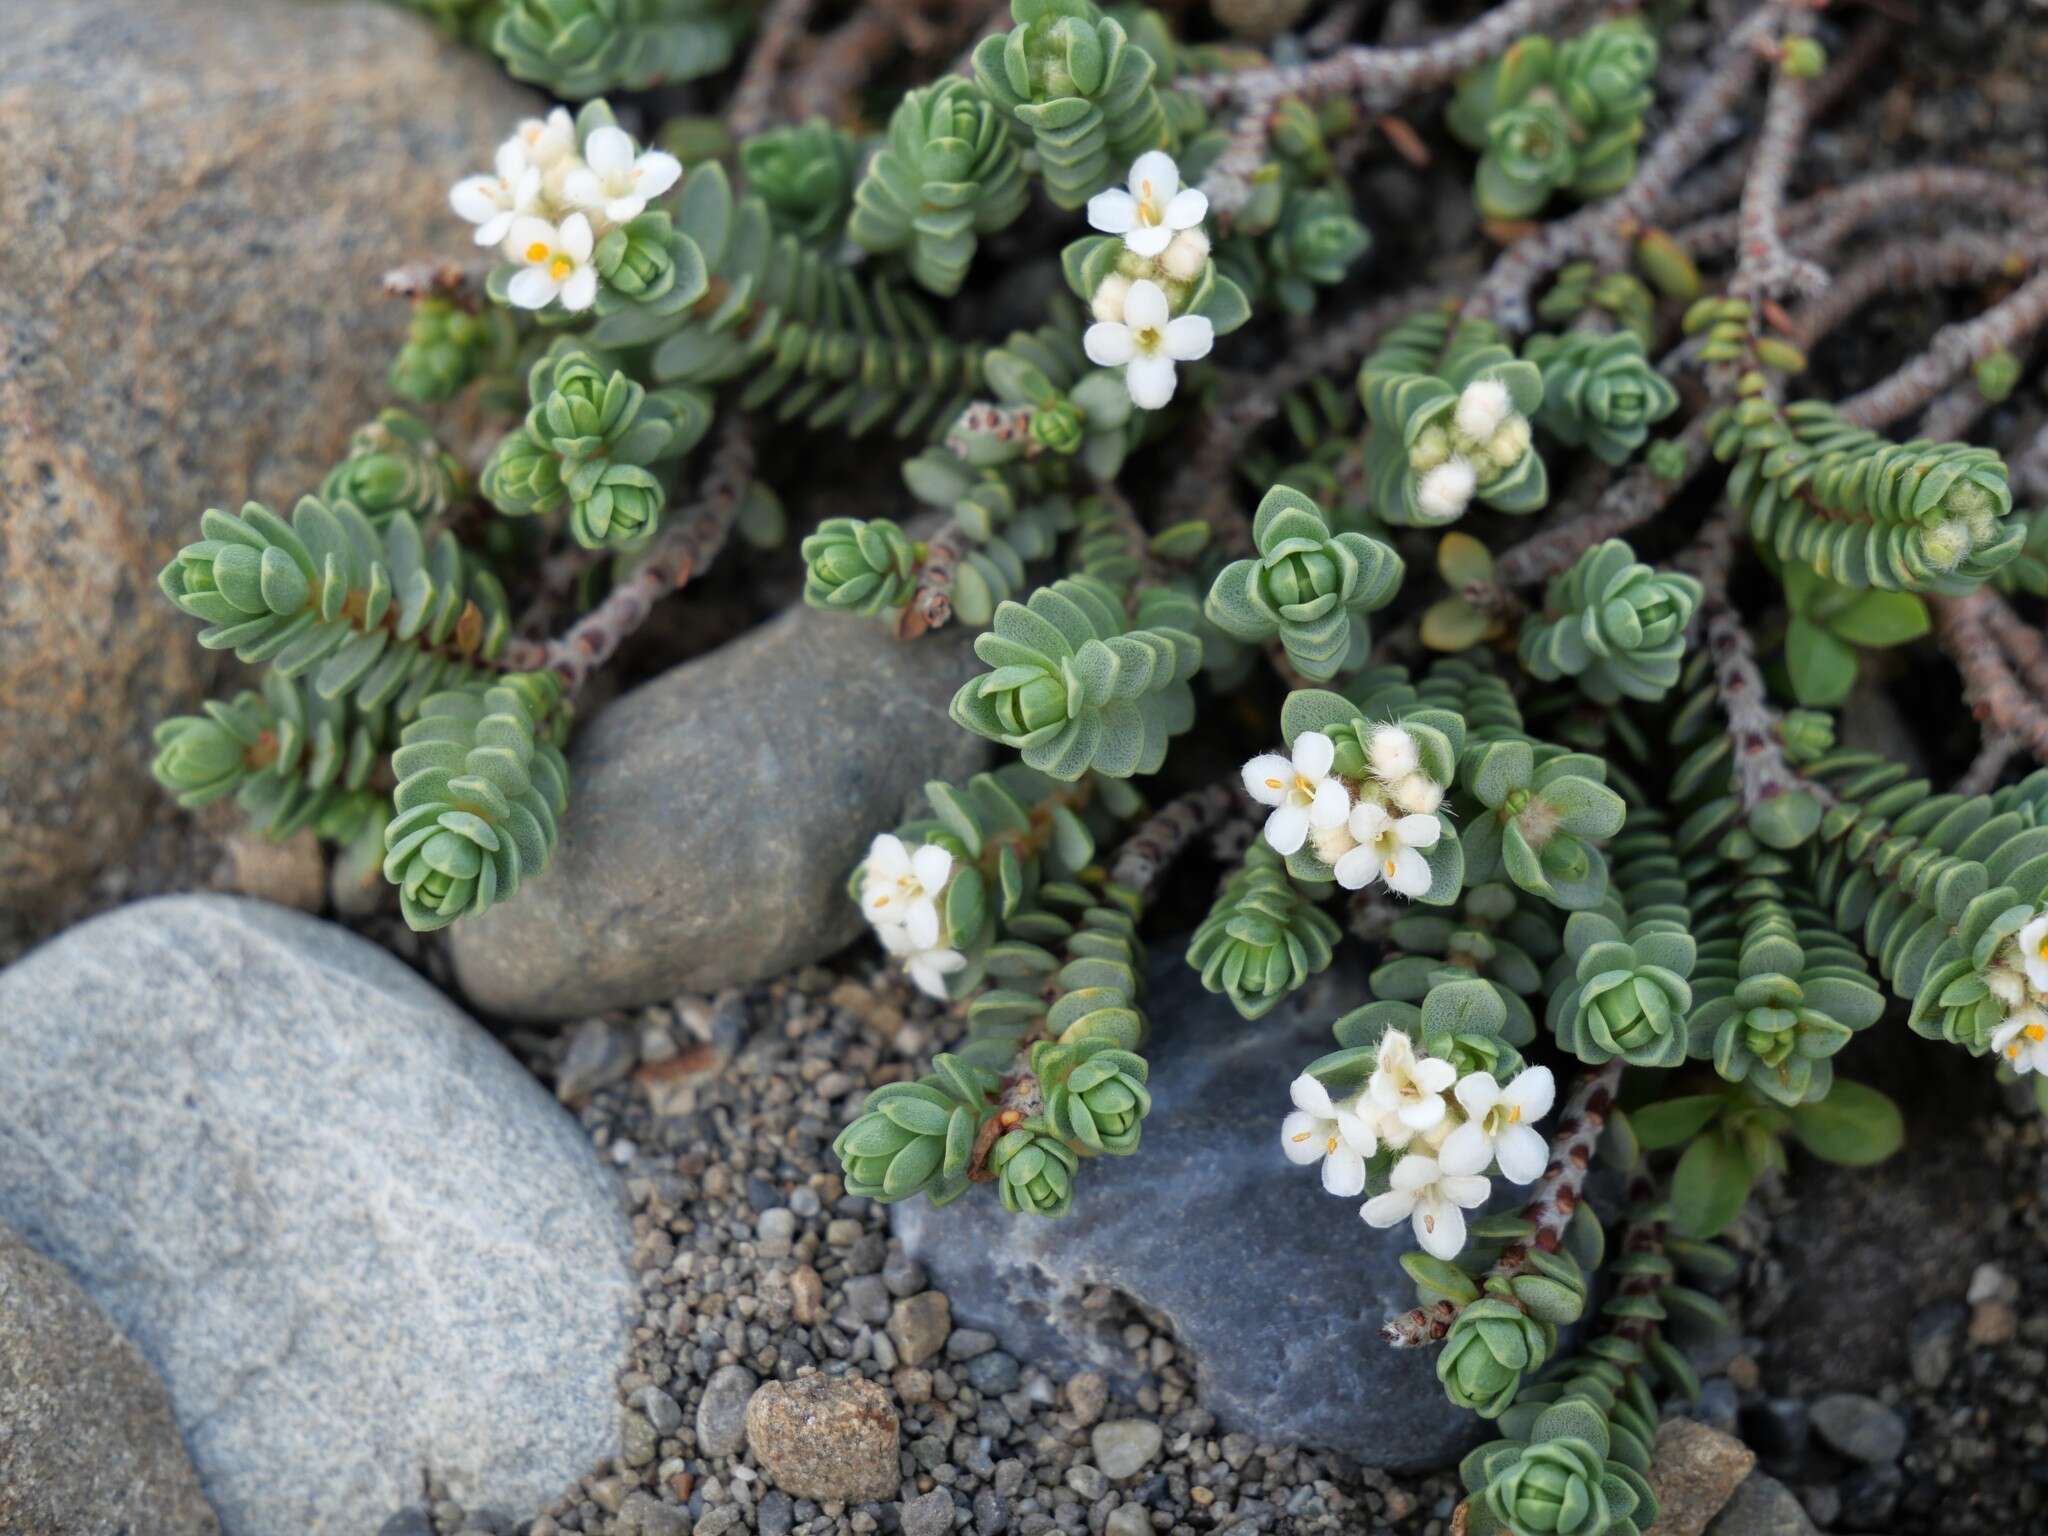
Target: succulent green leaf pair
<point>395,465</point>
<point>1539,820</point>
<point>1263,938</point>
<point>1616,625</point>
<point>948,174</point>
<point>1561,1481</point>
<point>1094,1093</point>
<point>1309,587</point>
<point>1074,688</point>
<point>1600,391</point>
<point>919,1137</point>
<point>1628,994</point>
<point>481,788</point>
<point>1034,1169</point>
<point>856,566</point>
<point>804,172</point>
<point>579,48</point>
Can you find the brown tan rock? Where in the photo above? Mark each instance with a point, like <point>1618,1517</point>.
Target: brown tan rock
<point>206,192</point>
<point>825,1437</point>
<point>1694,1470</point>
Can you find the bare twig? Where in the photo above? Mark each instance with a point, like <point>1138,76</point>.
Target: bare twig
<point>752,105</point>
<point>1818,224</point>
<point>1916,265</point>
<point>463,285</point>
<point>931,602</point>
<point>1965,628</point>
<point>1953,352</point>
<point>1765,269</point>
<point>1150,851</point>
<point>686,546</point>
<point>849,54</point>
<point>1988,766</point>
<point>1553,1199</point>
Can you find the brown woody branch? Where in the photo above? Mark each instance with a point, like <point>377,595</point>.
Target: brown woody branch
<point>1152,850</point>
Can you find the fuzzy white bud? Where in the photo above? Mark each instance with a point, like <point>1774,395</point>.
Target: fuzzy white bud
<point>1507,445</point>
<point>1184,259</point>
<point>1332,843</point>
<point>1482,408</point>
<point>1108,303</point>
<point>1432,447</point>
<point>1945,545</point>
<point>1446,491</point>
<point>1418,795</point>
<point>1392,754</point>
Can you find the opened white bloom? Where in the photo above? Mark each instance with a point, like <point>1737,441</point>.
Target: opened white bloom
<point>614,181</point>
<point>492,202</point>
<point>1110,293</point>
<point>554,263</point>
<point>1147,342</point>
<point>1336,1133</point>
<point>1433,1200</point>
<point>1389,848</point>
<point>1407,1089</point>
<point>1482,408</point>
<point>2021,1042</point>
<point>2034,952</point>
<point>1499,1125</point>
<point>1446,491</point>
<point>901,889</point>
<point>927,967</point>
<point>546,142</point>
<point>1155,207</point>
<point>1301,791</point>
<point>1392,753</point>
<point>1418,794</point>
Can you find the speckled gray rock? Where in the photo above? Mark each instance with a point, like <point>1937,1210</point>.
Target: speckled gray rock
<point>1861,1428</point>
<point>715,814</point>
<point>1694,1470</point>
<point>353,1236</point>
<point>1762,1506</point>
<point>825,1437</point>
<point>210,190</point>
<point>87,1442</point>
<point>1272,1288</point>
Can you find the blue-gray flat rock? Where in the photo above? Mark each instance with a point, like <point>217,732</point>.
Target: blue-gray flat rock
<point>1273,1288</point>
<point>356,1240</point>
<point>715,813</point>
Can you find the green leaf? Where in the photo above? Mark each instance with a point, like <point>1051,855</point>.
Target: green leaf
<point>1881,619</point>
<point>1710,1185</point>
<point>1854,1126</point>
<point>1823,668</point>
<point>1666,1124</point>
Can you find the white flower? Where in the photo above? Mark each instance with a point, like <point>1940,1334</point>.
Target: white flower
<point>492,202</point>
<point>616,183</point>
<point>1110,293</point>
<point>2007,983</point>
<point>1388,849</point>
<point>1155,207</point>
<point>1431,1199</point>
<point>1183,260</point>
<point>2034,952</point>
<point>1336,1133</point>
<point>1482,408</point>
<point>901,889</point>
<point>1446,491</point>
<point>546,142</point>
<point>1392,753</point>
<point>1146,343</point>
<point>1301,792</point>
<point>554,263</point>
<point>2022,1041</point>
<point>1498,1125</point>
<point>1407,1089</point>
<point>1418,794</point>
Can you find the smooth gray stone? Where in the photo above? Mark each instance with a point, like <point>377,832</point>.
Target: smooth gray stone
<point>715,813</point>
<point>87,1443</point>
<point>1274,1289</point>
<point>356,1239</point>
<point>1762,1506</point>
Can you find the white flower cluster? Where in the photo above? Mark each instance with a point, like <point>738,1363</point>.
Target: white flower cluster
<point>1486,435</point>
<point>545,205</point>
<point>899,892</point>
<point>2018,978</point>
<point>1450,1142</point>
<point>1376,830</point>
<point>1164,249</point>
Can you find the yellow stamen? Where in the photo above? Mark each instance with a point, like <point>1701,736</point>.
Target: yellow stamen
<point>1333,1145</point>
<point>1302,1135</point>
<point>560,268</point>
<point>2035,1032</point>
<point>537,253</point>
<point>2041,949</point>
<point>1429,1223</point>
<point>1390,869</point>
<point>1273,783</point>
<point>1515,1115</point>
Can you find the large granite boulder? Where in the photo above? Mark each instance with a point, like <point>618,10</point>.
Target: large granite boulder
<point>715,813</point>
<point>199,199</point>
<point>87,1442</point>
<point>358,1242</point>
<point>1273,1289</point>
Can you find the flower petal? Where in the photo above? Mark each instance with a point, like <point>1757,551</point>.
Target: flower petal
<point>580,291</point>
<point>474,198</point>
<point>1287,829</point>
<point>1357,1132</point>
<point>1388,1210</point>
<point>624,210</point>
<point>887,855</point>
<point>608,149</point>
<point>1109,344</point>
<point>582,188</point>
<point>1302,1137</point>
<point>655,172</point>
<point>1331,806</point>
<point>1408,873</point>
<point>1533,1091</point>
<point>1148,239</point>
<point>1414,1172</point>
<point>1150,382</point>
<point>1419,831</point>
<point>577,238</point>
<point>1356,869</point>
<point>1368,821</point>
<point>1467,1189</point>
<point>1440,1228</point>
<point>1187,208</point>
<point>1420,1114</point>
<point>1313,754</point>
<point>932,866</point>
<point>1344,1172</point>
<point>527,232</point>
<point>1145,306</point>
<point>1113,212</point>
<point>1309,1094</point>
<point>532,288</point>
<point>921,922</point>
<point>1189,337</point>
<point>1523,1155</point>
<point>493,230</point>
<point>1477,1092</point>
<point>1465,1150</point>
<point>1155,166</point>
<point>1267,777</point>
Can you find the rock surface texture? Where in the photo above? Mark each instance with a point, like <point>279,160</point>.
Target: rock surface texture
<point>825,1437</point>
<point>357,1240</point>
<point>1273,1288</point>
<point>715,813</point>
<point>87,1443</point>
<point>207,192</point>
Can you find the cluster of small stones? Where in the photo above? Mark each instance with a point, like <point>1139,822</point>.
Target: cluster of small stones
<point>760,1275</point>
